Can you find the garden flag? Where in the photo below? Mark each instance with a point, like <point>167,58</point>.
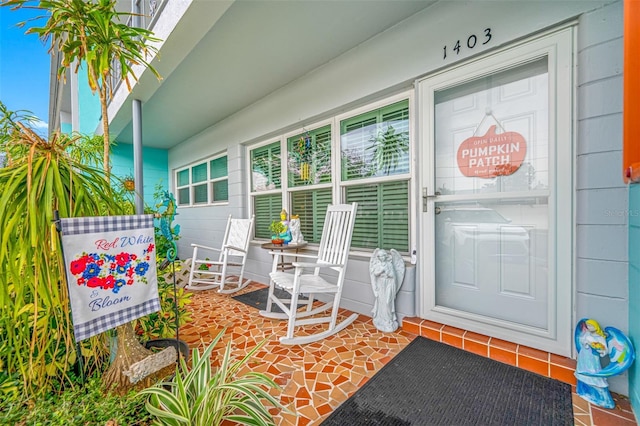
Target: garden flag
<point>110,262</point>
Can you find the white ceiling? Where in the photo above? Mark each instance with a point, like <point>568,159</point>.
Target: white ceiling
<point>254,48</point>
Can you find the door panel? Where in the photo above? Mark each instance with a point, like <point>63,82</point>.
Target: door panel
<point>491,265</point>
<point>495,245</point>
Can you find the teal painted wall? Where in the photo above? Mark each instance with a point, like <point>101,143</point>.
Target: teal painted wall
<point>88,104</point>
<point>634,292</point>
<point>66,128</point>
<point>155,161</point>
<point>155,168</point>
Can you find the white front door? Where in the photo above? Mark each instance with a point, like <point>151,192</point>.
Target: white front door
<point>497,206</point>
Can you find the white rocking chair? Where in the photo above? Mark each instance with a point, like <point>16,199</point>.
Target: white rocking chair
<point>228,269</point>
<point>333,254</point>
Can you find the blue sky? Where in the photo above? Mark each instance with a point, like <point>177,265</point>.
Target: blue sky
<point>24,65</point>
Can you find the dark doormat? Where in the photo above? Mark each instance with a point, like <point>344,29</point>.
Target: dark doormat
<point>258,298</point>
<point>430,383</point>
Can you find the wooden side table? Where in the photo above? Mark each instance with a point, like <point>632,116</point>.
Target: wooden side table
<point>285,248</point>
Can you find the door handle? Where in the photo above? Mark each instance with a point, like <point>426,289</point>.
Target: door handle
<point>426,196</point>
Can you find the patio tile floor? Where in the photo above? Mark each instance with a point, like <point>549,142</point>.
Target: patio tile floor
<point>317,377</point>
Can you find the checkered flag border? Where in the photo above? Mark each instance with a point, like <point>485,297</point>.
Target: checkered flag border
<point>107,322</point>
<point>88,225</point>
<point>98,224</point>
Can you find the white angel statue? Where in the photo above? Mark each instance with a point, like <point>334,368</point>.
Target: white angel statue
<point>387,272</point>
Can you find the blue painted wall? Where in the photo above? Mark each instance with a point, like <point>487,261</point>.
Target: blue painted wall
<point>154,170</point>
<point>634,292</point>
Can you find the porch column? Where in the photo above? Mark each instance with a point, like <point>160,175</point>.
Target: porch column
<point>137,155</point>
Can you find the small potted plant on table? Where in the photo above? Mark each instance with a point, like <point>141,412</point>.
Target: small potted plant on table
<point>277,228</point>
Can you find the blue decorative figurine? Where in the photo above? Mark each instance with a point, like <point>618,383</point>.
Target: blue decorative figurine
<point>595,345</point>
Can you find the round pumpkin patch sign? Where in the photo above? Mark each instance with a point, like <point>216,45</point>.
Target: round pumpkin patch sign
<point>493,154</point>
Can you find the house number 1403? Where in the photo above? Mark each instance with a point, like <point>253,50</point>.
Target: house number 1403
<point>472,41</point>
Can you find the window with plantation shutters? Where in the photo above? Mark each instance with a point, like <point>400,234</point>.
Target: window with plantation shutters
<point>266,167</point>
<point>266,208</point>
<point>266,176</point>
<point>309,157</point>
<point>309,167</point>
<point>203,183</point>
<point>298,173</point>
<point>199,181</point>
<point>218,174</point>
<point>376,143</point>
<point>311,207</point>
<point>383,215</point>
<point>182,186</point>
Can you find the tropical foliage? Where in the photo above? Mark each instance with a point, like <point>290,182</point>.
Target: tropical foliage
<point>94,34</point>
<point>43,176</point>
<point>162,324</point>
<point>37,349</point>
<point>200,396</point>
<point>81,405</point>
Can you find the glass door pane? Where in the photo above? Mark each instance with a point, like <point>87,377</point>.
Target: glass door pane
<point>491,134</point>
<point>492,213</point>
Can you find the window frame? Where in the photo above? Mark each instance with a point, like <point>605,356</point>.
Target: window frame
<point>370,110</point>
<point>408,177</point>
<point>209,181</point>
<point>337,185</point>
<point>265,192</point>
<point>290,190</point>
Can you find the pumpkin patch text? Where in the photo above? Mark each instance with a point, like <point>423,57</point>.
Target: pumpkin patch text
<point>493,154</point>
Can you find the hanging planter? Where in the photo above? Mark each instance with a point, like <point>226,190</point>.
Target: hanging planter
<point>304,149</point>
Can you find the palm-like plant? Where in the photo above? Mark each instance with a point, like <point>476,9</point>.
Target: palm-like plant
<point>36,335</point>
<point>94,33</point>
<point>202,397</point>
<point>389,148</point>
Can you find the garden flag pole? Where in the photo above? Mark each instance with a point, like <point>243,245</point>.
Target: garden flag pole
<point>170,232</point>
<point>56,222</point>
<point>110,266</point>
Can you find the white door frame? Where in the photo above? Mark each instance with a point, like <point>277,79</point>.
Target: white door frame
<point>558,46</point>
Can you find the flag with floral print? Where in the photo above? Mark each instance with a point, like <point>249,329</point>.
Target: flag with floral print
<point>111,271</point>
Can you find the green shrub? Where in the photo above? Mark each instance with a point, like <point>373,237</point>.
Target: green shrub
<point>162,324</point>
<point>37,347</point>
<point>83,405</point>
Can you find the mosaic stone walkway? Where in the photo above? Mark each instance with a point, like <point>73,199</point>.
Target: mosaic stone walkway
<point>317,377</point>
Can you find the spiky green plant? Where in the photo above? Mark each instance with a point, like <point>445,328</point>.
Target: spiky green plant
<point>37,348</point>
<point>200,396</point>
<point>96,34</point>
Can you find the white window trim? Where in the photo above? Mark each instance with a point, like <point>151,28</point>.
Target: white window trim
<point>337,184</point>
<point>209,181</point>
<point>340,185</point>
